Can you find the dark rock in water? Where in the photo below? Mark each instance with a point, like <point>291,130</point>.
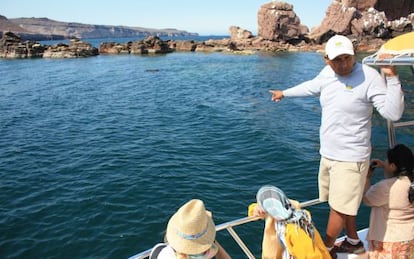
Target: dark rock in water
<point>183,45</point>
<point>12,46</point>
<point>149,45</point>
<point>75,49</point>
<point>114,48</point>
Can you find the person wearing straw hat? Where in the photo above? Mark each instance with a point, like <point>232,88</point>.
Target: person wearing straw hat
<point>289,231</point>
<point>190,234</point>
<point>348,93</point>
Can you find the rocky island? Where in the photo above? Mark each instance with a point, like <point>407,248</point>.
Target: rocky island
<point>367,22</point>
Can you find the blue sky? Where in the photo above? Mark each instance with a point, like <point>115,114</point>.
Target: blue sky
<point>213,17</point>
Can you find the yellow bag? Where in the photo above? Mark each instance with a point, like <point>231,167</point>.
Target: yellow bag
<point>301,246</point>
<point>298,243</point>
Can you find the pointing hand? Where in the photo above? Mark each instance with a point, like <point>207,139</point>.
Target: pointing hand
<point>277,95</point>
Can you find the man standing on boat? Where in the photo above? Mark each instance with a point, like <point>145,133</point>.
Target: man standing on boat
<point>348,91</point>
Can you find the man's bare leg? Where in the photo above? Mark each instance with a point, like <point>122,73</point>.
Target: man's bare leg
<point>336,223</point>
<point>350,227</point>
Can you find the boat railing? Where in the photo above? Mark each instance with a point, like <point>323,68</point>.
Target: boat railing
<point>403,59</point>
<point>229,226</point>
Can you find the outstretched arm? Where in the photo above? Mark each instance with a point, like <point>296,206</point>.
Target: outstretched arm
<point>304,89</point>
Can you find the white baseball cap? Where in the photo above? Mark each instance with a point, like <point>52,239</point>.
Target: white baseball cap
<point>339,45</point>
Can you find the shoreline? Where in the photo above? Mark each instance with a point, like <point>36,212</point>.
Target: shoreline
<point>12,47</point>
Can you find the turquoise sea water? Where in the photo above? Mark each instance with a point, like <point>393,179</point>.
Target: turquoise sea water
<point>98,153</point>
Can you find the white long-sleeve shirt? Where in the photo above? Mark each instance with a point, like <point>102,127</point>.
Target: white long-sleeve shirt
<point>347,104</point>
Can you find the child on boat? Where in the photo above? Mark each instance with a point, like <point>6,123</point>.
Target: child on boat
<point>391,226</point>
<point>191,234</point>
<point>289,231</point>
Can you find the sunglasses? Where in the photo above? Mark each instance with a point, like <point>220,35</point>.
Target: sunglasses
<point>210,253</point>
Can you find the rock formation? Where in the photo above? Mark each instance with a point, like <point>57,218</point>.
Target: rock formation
<point>278,22</point>
<point>365,19</point>
<point>393,9</point>
<point>149,45</point>
<point>75,49</point>
<point>237,33</point>
<point>12,46</point>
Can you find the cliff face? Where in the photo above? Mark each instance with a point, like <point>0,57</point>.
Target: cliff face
<point>366,19</point>
<point>47,27</point>
<point>395,9</point>
<point>7,25</point>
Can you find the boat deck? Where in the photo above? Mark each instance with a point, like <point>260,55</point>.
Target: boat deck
<point>403,59</point>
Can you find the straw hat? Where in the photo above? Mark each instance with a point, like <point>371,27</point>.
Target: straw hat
<point>191,229</point>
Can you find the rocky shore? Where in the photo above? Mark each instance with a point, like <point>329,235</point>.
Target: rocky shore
<point>12,47</point>
<point>367,23</point>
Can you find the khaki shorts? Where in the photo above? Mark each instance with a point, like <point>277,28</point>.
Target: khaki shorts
<point>342,184</point>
